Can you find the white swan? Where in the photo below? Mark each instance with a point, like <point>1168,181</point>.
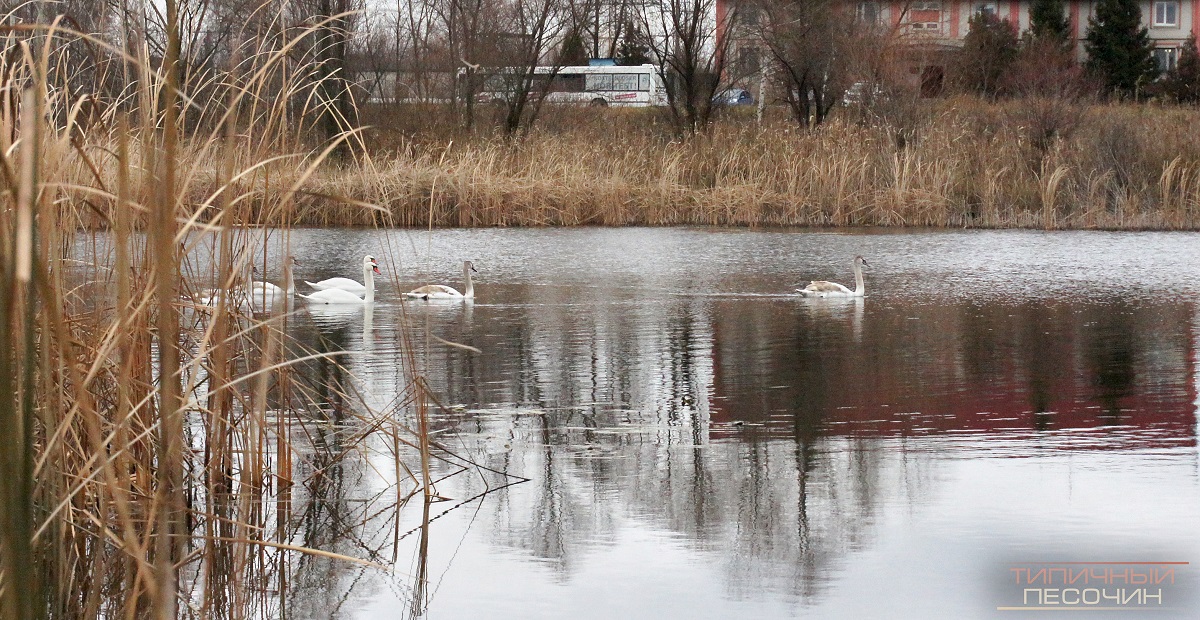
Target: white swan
<point>266,295</point>
<point>254,296</point>
<point>439,291</point>
<point>339,296</point>
<point>821,288</point>
<point>346,284</point>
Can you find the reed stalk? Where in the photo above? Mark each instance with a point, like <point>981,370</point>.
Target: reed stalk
<point>148,468</point>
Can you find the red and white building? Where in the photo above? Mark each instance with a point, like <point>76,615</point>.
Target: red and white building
<point>943,24</point>
<point>946,21</point>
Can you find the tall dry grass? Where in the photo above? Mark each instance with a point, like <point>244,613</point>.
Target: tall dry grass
<point>962,162</point>
<point>150,419</point>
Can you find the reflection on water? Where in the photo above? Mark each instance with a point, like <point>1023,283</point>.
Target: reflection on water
<point>701,443</point>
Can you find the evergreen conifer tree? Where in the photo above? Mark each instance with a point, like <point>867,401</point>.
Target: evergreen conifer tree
<point>1183,82</point>
<point>988,49</point>
<point>1119,48</point>
<point>573,51</point>
<point>632,50</point>
<point>1048,21</point>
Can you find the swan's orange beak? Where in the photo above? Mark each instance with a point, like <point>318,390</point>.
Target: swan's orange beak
<point>376,268</point>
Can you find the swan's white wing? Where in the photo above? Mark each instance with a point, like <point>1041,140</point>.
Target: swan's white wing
<point>333,296</point>
<point>258,289</point>
<point>433,290</point>
<point>821,286</point>
<point>345,284</point>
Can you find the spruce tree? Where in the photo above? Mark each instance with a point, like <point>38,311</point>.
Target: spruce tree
<point>572,51</point>
<point>1048,21</point>
<point>988,49</point>
<point>1119,48</point>
<point>633,50</point>
<point>1183,83</point>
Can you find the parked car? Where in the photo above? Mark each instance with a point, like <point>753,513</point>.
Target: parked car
<point>861,92</point>
<point>734,96</point>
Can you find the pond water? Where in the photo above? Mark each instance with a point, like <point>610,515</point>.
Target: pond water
<point>690,439</point>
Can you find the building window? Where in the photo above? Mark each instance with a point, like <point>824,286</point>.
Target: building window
<point>1166,13</point>
<point>1166,57</point>
<point>985,8</point>
<point>868,13</point>
<point>925,16</point>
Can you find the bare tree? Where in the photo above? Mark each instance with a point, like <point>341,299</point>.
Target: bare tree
<point>531,29</point>
<point>692,44</point>
<point>811,43</point>
<point>374,59</point>
<point>416,47</point>
<point>333,27</point>
<point>463,24</point>
<point>601,23</point>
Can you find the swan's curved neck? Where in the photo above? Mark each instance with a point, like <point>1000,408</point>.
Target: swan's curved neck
<point>289,282</point>
<point>248,281</point>
<point>859,287</point>
<point>369,282</point>
<point>470,291</point>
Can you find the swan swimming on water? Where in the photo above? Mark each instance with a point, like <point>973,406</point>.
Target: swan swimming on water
<point>254,296</point>
<point>440,291</point>
<point>339,296</point>
<point>821,288</point>
<point>346,284</point>
<point>266,294</point>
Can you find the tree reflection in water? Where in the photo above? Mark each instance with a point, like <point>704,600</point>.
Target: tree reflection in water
<point>768,434</point>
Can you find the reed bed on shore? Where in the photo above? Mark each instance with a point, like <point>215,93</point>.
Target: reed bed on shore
<point>958,163</point>
<point>162,458</point>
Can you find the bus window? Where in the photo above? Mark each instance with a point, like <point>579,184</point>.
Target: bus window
<point>625,81</point>
<point>493,83</point>
<point>568,83</point>
<point>643,81</point>
<point>599,81</point>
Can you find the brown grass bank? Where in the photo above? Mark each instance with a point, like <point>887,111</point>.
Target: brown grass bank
<point>953,163</point>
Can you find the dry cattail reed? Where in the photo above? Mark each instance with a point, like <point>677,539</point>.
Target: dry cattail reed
<point>148,415</point>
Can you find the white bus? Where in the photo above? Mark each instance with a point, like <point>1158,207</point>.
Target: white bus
<point>637,86</point>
